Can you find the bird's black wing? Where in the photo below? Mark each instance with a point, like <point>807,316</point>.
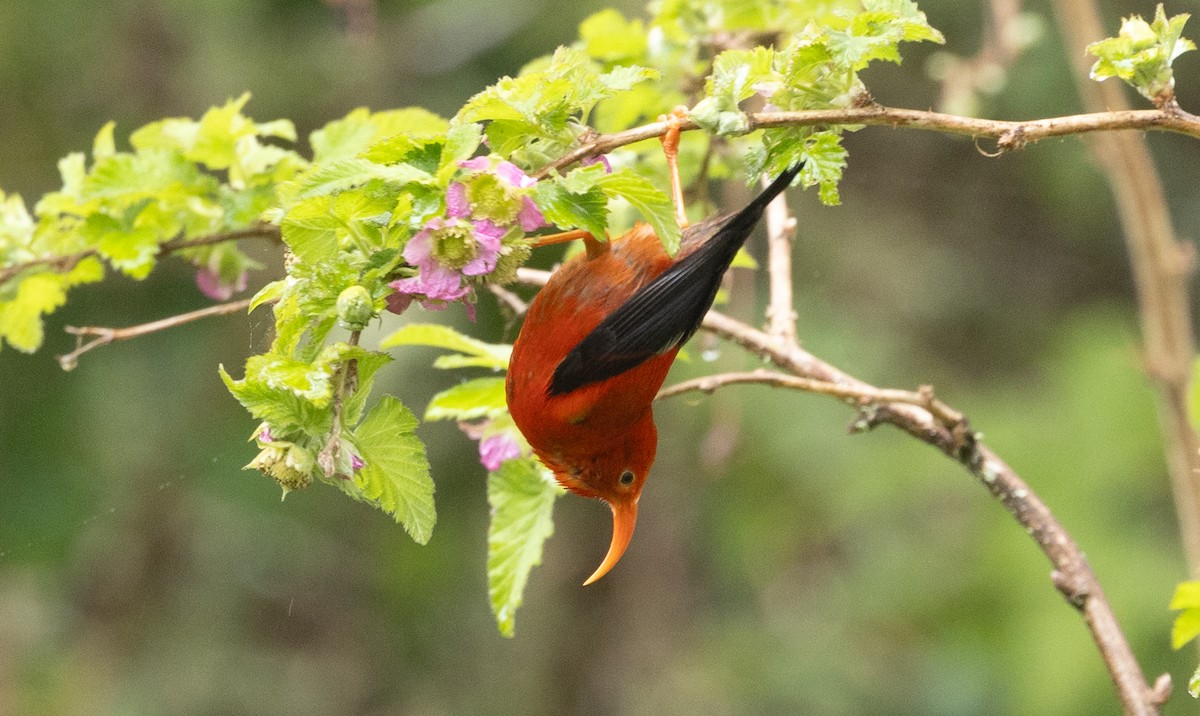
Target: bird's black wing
<point>664,313</point>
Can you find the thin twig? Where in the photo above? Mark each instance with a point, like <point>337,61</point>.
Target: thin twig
<point>1162,271</point>
<point>62,264</point>
<point>103,336</point>
<point>781,232</point>
<point>509,299</point>
<point>1008,135</point>
<point>860,395</point>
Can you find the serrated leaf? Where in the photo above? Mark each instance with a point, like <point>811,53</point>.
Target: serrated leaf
<point>38,294</point>
<point>521,495</point>
<point>396,474</point>
<point>470,400</point>
<point>587,210</point>
<point>654,205</point>
<point>353,134</point>
<point>285,392</point>
<point>342,174</point>
<point>310,229</point>
<point>434,335</point>
<point>1143,52</point>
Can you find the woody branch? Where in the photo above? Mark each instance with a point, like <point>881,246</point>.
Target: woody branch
<point>931,421</point>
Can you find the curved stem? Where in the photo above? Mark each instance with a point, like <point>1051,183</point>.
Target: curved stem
<point>102,336</point>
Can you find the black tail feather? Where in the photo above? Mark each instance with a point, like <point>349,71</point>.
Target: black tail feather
<point>664,313</point>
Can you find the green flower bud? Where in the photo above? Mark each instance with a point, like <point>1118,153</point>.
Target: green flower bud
<point>355,309</point>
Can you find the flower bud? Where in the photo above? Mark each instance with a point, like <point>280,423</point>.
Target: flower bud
<point>355,308</point>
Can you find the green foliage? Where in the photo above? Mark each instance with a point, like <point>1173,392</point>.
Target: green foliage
<point>405,206</point>
<point>395,477</point>
<point>183,179</point>
<point>817,68</point>
<point>468,352</point>
<point>1142,53</point>
<point>541,112</point>
<point>1187,624</point>
<point>521,495</point>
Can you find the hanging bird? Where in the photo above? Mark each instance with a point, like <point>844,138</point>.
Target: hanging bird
<point>596,346</point>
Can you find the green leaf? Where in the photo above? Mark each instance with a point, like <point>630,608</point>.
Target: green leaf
<point>1194,684</point>
<point>824,161</point>
<point>285,393</point>
<point>1187,623</point>
<point>491,355</point>
<point>478,398</point>
<point>310,229</point>
<point>1142,54</point>
<point>38,294</point>
<point>462,141</point>
<point>1185,628</point>
<point>342,174</point>
<point>104,145</point>
<point>651,203</point>
<point>609,37</point>
<point>521,495</point>
<point>359,130</point>
<point>1187,596</point>
<point>129,249</point>
<point>269,293</point>
<point>586,209</point>
<point>396,474</point>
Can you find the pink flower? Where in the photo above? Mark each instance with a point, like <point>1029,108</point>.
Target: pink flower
<point>495,449</point>
<point>210,284</point>
<point>357,462</point>
<point>529,217</point>
<point>435,286</point>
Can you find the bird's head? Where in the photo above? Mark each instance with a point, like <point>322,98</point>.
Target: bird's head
<point>615,475</point>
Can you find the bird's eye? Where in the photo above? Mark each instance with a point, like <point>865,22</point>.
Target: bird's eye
<point>627,478</point>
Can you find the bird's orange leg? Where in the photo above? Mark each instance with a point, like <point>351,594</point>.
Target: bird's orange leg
<point>561,238</point>
<point>670,143</point>
<point>594,246</point>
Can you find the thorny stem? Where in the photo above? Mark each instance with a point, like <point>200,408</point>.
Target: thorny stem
<point>347,381</point>
<point>103,336</point>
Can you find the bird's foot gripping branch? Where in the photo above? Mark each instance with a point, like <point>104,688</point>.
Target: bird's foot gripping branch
<point>405,211</point>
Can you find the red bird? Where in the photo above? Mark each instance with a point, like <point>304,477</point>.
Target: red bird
<point>596,346</point>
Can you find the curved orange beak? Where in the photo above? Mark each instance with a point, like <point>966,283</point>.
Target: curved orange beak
<point>624,520</point>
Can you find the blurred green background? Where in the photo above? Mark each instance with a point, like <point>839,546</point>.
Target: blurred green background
<point>781,565</point>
